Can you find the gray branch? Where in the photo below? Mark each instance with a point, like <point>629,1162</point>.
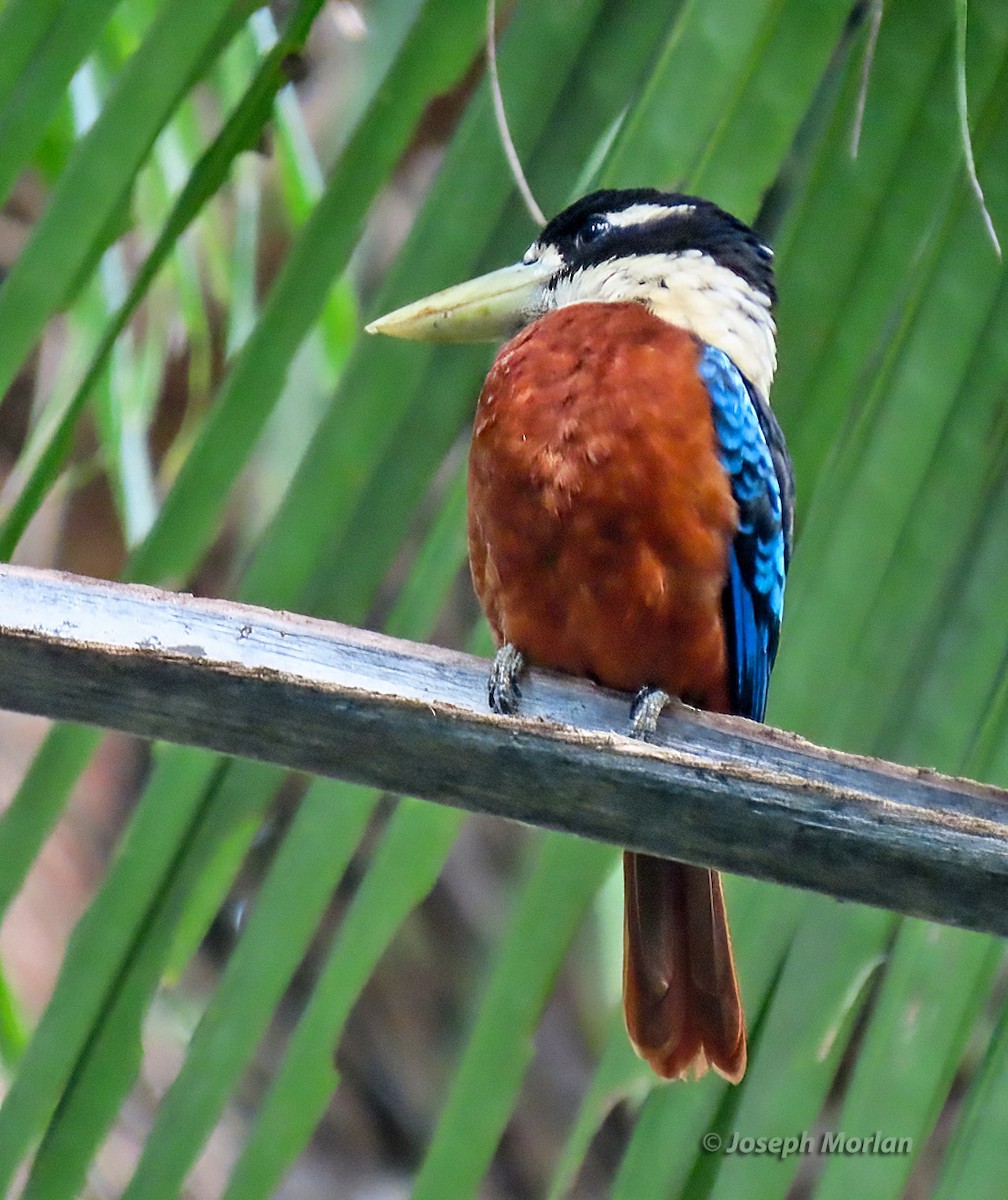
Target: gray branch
<point>338,701</point>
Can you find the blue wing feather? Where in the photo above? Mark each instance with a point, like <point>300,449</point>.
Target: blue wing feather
<point>751,449</point>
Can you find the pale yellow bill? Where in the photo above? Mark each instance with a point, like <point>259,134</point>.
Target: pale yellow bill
<point>483,309</point>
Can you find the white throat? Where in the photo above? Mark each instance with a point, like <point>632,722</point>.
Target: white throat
<point>690,291</point>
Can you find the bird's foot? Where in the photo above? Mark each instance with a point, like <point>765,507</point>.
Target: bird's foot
<point>502,686</point>
<point>646,709</point>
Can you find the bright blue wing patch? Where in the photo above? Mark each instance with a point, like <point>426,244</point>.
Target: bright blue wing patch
<point>761,484</point>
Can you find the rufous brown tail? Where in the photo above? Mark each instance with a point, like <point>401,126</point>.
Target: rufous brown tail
<point>680,993</point>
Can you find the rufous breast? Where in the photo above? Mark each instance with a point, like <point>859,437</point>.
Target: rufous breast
<point>600,517</point>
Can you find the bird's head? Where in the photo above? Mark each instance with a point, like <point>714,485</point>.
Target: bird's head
<point>683,258</point>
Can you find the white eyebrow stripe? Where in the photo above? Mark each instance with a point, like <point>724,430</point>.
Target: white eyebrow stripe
<point>638,214</point>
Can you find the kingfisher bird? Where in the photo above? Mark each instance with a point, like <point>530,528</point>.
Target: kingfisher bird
<point>630,521</point>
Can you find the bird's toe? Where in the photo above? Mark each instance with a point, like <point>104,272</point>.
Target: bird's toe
<point>646,709</point>
<point>502,686</point>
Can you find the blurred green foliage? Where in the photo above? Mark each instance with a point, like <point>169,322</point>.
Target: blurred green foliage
<point>188,203</point>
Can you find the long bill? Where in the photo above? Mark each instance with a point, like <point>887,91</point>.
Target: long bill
<point>487,308</point>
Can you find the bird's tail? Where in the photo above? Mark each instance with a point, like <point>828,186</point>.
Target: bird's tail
<point>680,994</point>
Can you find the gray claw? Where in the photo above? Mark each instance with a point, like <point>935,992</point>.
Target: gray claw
<point>646,709</point>
<point>502,686</point>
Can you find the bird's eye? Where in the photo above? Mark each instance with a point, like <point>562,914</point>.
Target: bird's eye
<point>594,228</point>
